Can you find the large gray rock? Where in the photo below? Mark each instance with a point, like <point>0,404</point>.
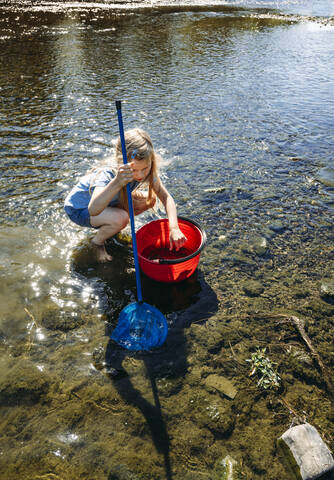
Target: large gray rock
<point>306,454</point>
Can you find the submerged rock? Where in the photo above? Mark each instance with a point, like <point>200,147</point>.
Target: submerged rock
<point>215,190</point>
<point>253,288</point>
<point>327,288</point>
<point>256,245</point>
<point>277,227</point>
<point>301,293</point>
<point>213,412</point>
<point>227,469</point>
<point>326,176</point>
<point>216,383</point>
<point>55,319</point>
<point>306,455</point>
<point>260,246</point>
<point>23,384</point>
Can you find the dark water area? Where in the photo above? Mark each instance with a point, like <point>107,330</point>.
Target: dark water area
<point>163,253</point>
<point>238,100</point>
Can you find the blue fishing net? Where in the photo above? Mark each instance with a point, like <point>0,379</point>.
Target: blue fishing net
<point>140,327</point>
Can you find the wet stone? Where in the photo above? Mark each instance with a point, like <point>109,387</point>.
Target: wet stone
<point>215,190</point>
<point>260,246</point>
<point>99,359</point>
<point>253,288</point>
<point>326,176</point>
<point>327,288</point>
<point>256,245</point>
<point>228,469</point>
<point>54,319</point>
<point>23,384</point>
<point>216,383</point>
<point>222,239</point>
<point>277,227</point>
<point>268,233</point>
<point>217,419</point>
<point>212,412</point>
<point>301,293</point>
<point>305,453</point>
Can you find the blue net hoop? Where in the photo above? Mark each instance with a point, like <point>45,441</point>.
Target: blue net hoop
<point>140,327</point>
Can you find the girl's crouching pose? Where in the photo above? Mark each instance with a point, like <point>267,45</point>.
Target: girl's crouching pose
<point>99,200</point>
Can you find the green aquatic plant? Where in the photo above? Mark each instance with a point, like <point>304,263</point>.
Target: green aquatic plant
<point>263,367</point>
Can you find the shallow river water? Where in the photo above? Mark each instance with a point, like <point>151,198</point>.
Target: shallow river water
<point>238,99</point>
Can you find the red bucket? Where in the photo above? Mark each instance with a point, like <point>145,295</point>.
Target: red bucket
<point>161,264</point>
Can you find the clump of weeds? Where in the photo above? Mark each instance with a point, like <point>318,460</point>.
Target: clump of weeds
<point>263,368</point>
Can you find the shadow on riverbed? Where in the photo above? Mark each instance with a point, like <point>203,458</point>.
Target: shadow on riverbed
<point>169,363</point>
<point>151,412</point>
<point>164,369</point>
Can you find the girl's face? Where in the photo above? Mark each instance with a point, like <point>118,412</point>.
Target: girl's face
<point>141,169</point>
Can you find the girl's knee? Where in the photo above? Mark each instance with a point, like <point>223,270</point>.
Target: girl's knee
<point>114,219</point>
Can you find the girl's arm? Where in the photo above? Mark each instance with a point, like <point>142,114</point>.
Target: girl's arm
<point>176,238</point>
<point>102,196</point>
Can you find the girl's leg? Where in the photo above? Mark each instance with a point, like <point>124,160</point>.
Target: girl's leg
<point>110,221</point>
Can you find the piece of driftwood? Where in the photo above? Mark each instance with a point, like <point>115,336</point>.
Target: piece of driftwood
<point>300,325</point>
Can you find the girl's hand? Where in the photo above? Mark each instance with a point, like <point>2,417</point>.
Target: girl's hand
<point>176,239</point>
<point>124,174</point>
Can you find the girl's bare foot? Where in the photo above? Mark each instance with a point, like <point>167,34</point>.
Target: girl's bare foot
<point>102,255</point>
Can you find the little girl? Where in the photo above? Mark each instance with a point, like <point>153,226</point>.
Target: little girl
<point>99,200</point>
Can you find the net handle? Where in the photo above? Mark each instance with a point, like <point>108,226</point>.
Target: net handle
<point>131,214</point>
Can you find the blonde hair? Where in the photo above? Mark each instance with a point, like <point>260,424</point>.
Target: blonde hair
<point>138,145</point>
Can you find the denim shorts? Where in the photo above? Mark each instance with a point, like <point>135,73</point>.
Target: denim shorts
<point>80,216</point>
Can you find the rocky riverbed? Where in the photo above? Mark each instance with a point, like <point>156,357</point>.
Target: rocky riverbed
<point>238,100</point>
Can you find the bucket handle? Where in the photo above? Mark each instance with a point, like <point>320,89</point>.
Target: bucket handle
<point>192,255</point>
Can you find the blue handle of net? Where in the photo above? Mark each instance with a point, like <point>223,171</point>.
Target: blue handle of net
<point>131,213</point>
